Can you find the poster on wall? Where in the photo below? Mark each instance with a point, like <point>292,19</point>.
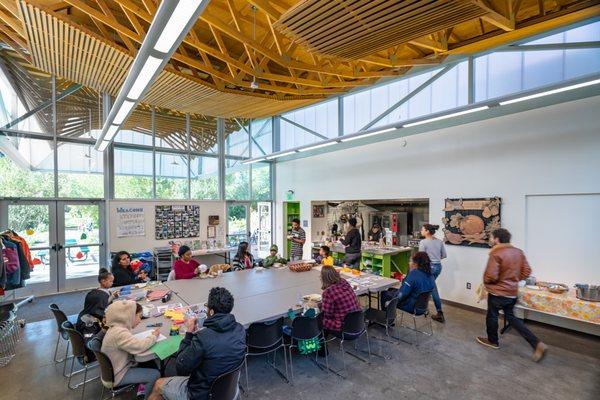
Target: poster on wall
<point>318,210</point>
<point>131,221</point>
<point>174,222</point>
<point>470,222</point>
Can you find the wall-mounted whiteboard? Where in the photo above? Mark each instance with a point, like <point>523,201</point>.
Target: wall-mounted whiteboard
<point>562,241</point>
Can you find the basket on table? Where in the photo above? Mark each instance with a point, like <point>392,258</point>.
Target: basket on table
<point>301,266</point>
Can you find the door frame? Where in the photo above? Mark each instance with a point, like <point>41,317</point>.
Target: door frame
<point>43,287</point>
<point>65,285</point>
<point>56,247</point>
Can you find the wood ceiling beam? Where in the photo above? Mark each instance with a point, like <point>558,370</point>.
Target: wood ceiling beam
<point>392,62</point>
<point>494,17</point>
<point>13,23</point>
<point>267,8</point>
<point>429,44</point>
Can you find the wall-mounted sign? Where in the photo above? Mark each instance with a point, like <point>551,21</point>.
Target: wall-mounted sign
<point>131,221</point>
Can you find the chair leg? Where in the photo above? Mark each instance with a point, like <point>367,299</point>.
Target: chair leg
<point>291,363</point>
<point>84,381</point>
<point>368,344</point>
<point>286,364</point>
<point>430,326</point>
<point>71,373</point>
<point>65,359</point>
<point>56,349</point>
<point>102,393</point>
<point>416,331</point>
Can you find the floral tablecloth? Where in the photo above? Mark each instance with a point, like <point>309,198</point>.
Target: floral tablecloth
<point>564,305</point>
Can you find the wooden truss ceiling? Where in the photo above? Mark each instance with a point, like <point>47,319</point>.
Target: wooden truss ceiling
<point>290,47</point>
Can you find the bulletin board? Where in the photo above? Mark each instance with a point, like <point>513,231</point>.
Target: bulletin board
<point>174,222</point>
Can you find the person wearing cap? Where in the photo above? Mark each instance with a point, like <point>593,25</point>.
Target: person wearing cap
<point>273,258</point>
<point>185,267</point>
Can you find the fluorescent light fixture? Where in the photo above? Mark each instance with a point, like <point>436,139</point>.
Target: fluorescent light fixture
<point>456,114</point>
<point>318,146</point>
<point>367,135</point>
<point>123,112</point>
<point>253,160</point>
<point>549,92</point>
<point>177,22</point>
<point>141,81</point>
<point>111,132</point>
<point>103,145</point>
<point>287,153</point>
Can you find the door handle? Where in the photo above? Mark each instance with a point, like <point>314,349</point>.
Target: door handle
<point>57,247</point>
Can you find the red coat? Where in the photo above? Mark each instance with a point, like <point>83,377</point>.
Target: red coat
<point>185,270</point>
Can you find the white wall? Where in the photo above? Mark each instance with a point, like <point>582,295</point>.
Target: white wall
<point>148,242</point>
<point>551,150</point>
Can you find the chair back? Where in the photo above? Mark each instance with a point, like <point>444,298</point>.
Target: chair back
<point>225,387</point>
<point>171,276</point>
<point>107,372</point>
<point>77,342</point>
<point>422,303</point>
<point>305,328</point>
<point>59,316</point>
<point>264,335</point>
<point>354,323</point>
<point>390,311</point>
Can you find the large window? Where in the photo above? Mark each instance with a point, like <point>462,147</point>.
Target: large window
<point>319,121</point>
<point>80,171</point>
<point>204,175</point>
<point>261,181</point>
<point>237,137</point>
<point>26,167</point>
<point>262,137</point>
<point>133,177</point>
<point>237,180</point>
<point>171,176</point>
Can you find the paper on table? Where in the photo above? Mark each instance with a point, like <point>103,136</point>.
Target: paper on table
<point>167,348</point>
<point>145,334</point>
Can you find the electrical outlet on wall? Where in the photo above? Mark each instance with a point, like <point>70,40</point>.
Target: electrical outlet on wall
<point>469,285</point>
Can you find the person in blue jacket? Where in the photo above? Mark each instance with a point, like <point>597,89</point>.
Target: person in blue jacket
<point>418,280</point>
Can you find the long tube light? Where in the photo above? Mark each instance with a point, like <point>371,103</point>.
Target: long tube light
<point>287,153</point>
<point>170,25</point>
<point>442,117</point>
<point>318,146</point>
<point>379,132</point>
<point>254,160</point>
<point>549,92</point>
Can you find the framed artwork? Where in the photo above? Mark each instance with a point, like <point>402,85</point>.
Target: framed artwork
<point>318,211</point>
<point>213,220</point>
<point>211,232</point>
<point>470,222</point>
<point>174,222</point>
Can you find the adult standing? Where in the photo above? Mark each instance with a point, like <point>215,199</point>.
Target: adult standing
<point>506,266</point>
<point>436,251</point>
<point>121,269</point>
<point>353,245</point>
<point>298,238</point>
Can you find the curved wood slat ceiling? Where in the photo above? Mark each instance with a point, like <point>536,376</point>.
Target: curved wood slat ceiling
<point>303,51</point>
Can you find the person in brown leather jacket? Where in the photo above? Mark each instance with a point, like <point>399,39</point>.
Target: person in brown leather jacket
<point>506,266</point>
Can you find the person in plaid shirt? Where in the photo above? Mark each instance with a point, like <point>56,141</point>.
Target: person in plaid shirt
<point>338,299</point>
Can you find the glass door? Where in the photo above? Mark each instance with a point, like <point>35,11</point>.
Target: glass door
<point>237,223</point>
<point>35,222</point>
<point>80,230</point>
<point>261,227</point>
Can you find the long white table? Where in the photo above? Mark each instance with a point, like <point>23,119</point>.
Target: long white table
<point>260,295</point>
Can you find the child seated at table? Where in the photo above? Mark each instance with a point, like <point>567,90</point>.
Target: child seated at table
<point>273,258</point>
<point>325,255</point>
<point>120,345</point>
<point>185,267</point>
<point>89,320</point>
<point>142,276</point>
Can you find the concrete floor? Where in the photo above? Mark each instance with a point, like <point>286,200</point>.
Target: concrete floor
<point>450,365</point>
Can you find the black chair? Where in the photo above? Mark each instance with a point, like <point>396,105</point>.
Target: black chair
<point>420,310</point>
<point>353,327</point>
<point>107,372</point>
<point>305,328</point>
<point>80,354</point>
<point>264,338</point>
<point>226,386</point>
<point>386,319</point>
<point>61,318</point>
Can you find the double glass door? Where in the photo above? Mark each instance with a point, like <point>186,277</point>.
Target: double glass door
<point>250,222</point>
<point>65,238</point>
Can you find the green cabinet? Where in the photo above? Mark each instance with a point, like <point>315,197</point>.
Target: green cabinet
<point>387,263</point>
<point>291,210</point>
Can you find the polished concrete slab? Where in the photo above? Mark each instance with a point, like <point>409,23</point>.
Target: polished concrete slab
<point>449,365</point>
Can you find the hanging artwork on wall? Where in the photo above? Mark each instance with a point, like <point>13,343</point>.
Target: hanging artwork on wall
<point>173,222</point>
<point>318,210</point>
<point>470,222</point>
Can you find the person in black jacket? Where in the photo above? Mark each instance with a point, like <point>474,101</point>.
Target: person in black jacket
<point>205,354</point>
<point>353,244</point>
<point>121,269</point>
<point>90,318</point>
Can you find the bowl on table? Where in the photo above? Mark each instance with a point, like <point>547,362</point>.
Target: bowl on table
<point>588,292</point>
<point>557,288</point>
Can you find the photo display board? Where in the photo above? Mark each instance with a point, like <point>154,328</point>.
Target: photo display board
<point>173,222</point>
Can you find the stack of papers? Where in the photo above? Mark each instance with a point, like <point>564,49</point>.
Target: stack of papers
<point>145,334</point>
<point>175,316</point>
<point>157,294</point>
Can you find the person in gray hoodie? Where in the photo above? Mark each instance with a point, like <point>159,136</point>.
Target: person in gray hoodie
<point>120,345</point>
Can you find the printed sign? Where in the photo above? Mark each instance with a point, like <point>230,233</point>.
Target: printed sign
<point>131,221</point>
